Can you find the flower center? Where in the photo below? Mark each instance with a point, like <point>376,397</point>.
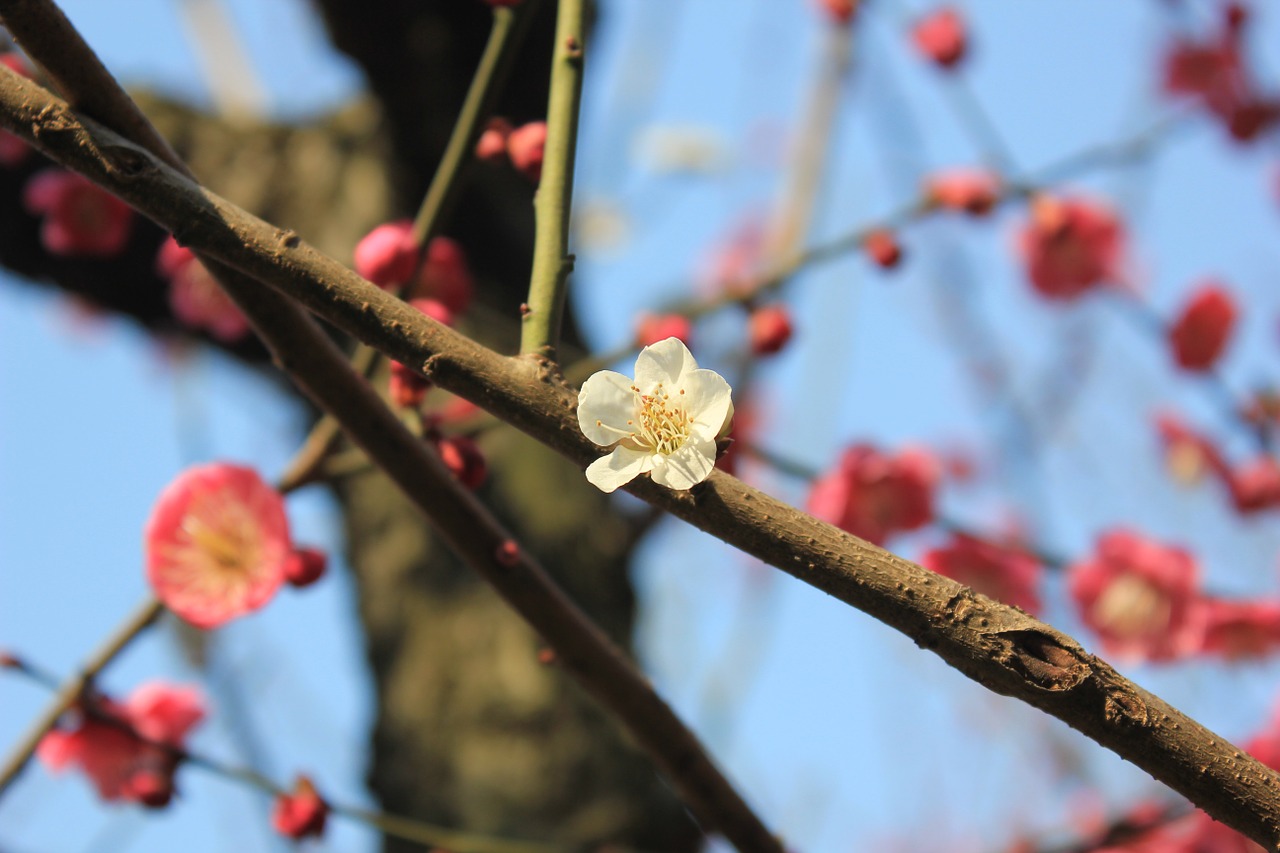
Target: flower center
<point>664,424</point>
<point>1133,607</point>
<point>219,543</point>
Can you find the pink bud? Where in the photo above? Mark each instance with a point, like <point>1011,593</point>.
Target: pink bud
<point>446,276</point>
<point>971,191</point>
<point>940,36</point>
<point>1203,329</point>
<point>434,309</point>
<point>525,146</point>
<point>463,458</point>
<point>658,327</point>
<point>492,144</point>
<point>839,11</point>
<point>305,566</point>
<point>388,254</point>
<point>770,329</point>
<point>301,814</point>
<point>883,248</point>
<point>508,554</point>
<point>406,387</point>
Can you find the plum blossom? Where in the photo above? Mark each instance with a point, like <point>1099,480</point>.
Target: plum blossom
<point>1241,629</point>
<point>80,218</point>
<point>664,423</point>
<point>1140,597</point>
<point>120,745</point>
<point>873,495</point>
<point>1189,456</point>
<point>1070,245</point>
<point>1005,574</point>
<point>217,544</point>
<point>195,296</point>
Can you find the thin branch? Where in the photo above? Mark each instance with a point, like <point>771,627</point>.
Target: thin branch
<point>509,29</point>
<point>1001,648</point>
<point>404,828</point>
<point>74,688</point>
<point>321,371</point>
<point>552,263</point>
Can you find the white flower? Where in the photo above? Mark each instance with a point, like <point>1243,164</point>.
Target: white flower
<point>664,423</point>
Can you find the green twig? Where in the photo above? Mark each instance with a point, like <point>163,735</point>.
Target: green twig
<point>552,263</point>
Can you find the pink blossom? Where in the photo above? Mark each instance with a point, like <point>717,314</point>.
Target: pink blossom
<point>1188,454</point>
<point>195,296</point>
<point>1005,574</point>
<point>526,146</point>
<point>124,756</point>
<point>1071,245</point>
<point>1140,597</point>
<point>301,814</point>
<point>1254,486</point>
<point>217,543</point>
<point>1241,629</point>
<point>941,36</point>
<point>872,495</point>
<point>80,219</point>
<point>1212,72</point>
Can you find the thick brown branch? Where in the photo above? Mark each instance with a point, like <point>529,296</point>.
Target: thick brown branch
<point>314,362</point>
<point>1000,647</point>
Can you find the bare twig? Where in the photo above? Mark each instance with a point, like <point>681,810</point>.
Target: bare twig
<point>74,688</point>
<point>552,263</point>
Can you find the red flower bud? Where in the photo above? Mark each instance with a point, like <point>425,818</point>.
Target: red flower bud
<point>525,146</point>
<point>304,566</point>
<point>883,248</point>
<point>940,36</point>
<point>1202,330</point>
<point>770,329</point>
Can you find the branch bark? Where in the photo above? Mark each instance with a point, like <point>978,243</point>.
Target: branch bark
<point>1002,648</point>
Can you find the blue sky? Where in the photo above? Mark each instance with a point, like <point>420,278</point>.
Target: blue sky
<point>839,730</point>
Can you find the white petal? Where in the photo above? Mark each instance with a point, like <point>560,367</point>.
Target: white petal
<point>618,468</point>
<point>666,361</point>
<point>687,467</point>
<point>606,400</point>
<point>708,400</point>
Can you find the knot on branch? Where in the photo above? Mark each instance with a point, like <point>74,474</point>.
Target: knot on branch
<point>125,160</point>
<point>1041,660</point>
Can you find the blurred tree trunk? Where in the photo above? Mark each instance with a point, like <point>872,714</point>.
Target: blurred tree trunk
<point>473,731</point>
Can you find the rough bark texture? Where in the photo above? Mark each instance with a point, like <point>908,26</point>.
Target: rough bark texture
<point>473,731</point>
